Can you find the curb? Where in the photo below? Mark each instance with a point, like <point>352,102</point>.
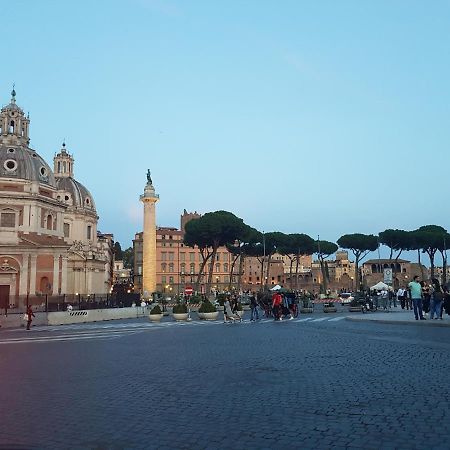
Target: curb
<point>421,323</point>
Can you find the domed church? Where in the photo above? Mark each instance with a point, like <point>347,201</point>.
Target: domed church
<point>49,242</point>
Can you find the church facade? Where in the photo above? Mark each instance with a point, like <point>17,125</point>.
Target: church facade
<point>49,244</point>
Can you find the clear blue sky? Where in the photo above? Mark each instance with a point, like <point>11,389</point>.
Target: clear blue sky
<point>324,117</point>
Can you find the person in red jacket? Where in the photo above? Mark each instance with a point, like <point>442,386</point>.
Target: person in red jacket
<point>277,301</point>
<point>30,315</point>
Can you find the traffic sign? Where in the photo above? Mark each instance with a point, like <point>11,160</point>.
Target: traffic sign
<point>188,290</point>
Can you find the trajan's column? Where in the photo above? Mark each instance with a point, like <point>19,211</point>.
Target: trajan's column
<point>149,198</point>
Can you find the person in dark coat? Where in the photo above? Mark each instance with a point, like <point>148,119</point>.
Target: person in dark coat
<point>30,315</point>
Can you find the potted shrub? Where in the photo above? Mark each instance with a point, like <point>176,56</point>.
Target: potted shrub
<point>329,306</point>
<point>307,304</point>
<point>207,311</point>
<point>155,314</point>
<point>180,312</point>
<point>355,305</point>
<point>239,310</point>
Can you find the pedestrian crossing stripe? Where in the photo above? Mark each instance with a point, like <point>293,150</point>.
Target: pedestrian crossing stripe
<point>87,331</point>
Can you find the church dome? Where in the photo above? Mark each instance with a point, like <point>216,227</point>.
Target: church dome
<point>74,194</point>
<point>22,163</point>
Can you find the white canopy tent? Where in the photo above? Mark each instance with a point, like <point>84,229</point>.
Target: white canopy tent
<point>277,287</point>
<point>381,286</point>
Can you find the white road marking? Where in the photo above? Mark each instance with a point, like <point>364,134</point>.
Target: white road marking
<point>321,319</point>
<point>335,319</point>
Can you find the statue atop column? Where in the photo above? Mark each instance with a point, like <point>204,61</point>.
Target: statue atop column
<point>149,178</point>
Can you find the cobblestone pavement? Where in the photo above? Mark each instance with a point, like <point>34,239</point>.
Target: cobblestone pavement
<point>316,384</point>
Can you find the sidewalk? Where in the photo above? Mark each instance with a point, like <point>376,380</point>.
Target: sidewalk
<point>398,316</point>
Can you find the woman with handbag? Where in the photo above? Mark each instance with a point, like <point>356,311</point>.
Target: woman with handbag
<point>437,297</point>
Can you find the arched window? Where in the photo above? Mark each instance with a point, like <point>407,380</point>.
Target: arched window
<point>217,267</point>
<point>64,167</point>
<point>11,126</point>
<point>171,267</point>
<point>49,222</point>
<point>45,286</point>
<point>59,167</point>
<point>192,268</point>
<point>163,267</point>
<point>225,267</point>
<point>182,267</point>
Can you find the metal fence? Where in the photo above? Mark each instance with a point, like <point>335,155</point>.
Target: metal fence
<point>52,303</point>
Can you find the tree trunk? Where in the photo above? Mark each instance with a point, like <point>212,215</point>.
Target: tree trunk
<point>297,263</point>
<point>261,261</point>
<point>211,270</point>
<point>266,281</point>
<point>202,268</point>
<point>444,267</point>
<point>324,275</point>
<point>241,265</point>
<point>291,281</point>
<point>357,257</point>
<point>232,272</point>
<point>420,265</point>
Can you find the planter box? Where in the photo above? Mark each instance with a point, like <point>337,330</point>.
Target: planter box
<point>308,310</point>
<point>208,316</point>
<point>179,317</point>
<point>329,309</point>
<point>355,308</point>
<point>155,317</point>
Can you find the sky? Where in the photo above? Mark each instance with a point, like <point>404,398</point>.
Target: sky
<point>321,117</point>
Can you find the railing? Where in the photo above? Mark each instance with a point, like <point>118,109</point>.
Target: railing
<point>78,302</point>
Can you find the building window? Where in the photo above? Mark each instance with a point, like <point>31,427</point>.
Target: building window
<point>163,256</point>
<point>8,220</point>
<point>50,223</point>
<point>89,232</point>
<point>225,267</point>
<point>66,230</point>
<point>171,268</point>
<point>163,267</point>
<point>171,280</point>
<point>182,268</point>
<point>182,257</point>
<point>192,268</point>
<point>191,257</point>
<point>217,267</point>
<point>163,280</point>
<point>171,256</point>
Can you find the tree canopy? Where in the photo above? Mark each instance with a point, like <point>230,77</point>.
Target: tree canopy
<point>360,245</point>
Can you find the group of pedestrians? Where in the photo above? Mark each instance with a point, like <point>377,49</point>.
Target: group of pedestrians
<point>431,298</point>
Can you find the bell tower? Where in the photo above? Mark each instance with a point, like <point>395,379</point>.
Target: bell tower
<point>14,126</point>
<point>63,163</point>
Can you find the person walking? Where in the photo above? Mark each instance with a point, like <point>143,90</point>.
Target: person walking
<point>277,301</point>
<point>426,297</point>
<point>400,297</point>
<point>446,302</point>
<point>254,308</point>
<point>30,315</point>
<point>407,299</point>
<point>437,298</point>
<point>416,296</point>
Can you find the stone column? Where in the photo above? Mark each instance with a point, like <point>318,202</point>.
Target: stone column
<point>55,274</point>
<point>24,275</point>
<point>64,275</point>
<point>149,240</point>
<point>33,269</point>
